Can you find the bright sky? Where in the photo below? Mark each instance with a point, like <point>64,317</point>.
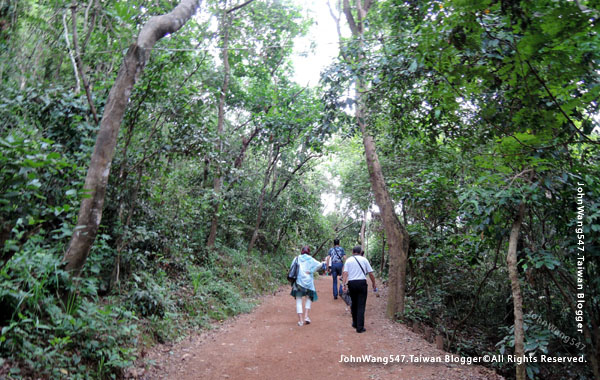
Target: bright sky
<point>309,63</point>
<point>323,35</point>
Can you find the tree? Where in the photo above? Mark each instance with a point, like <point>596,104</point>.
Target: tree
<point>254,87</point>
<point>397,237</point>
<point>513,273</point>
<point>90,213</point>
<point>483,78</point>
<point>225,24</point>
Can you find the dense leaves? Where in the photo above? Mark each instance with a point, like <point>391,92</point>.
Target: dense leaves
<point>149,276</point>
<point>477,108</point>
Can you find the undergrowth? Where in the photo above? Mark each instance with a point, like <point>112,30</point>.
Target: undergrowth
<point>55,328</point>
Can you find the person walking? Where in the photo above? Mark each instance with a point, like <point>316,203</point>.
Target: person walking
<point>337,255</point>
<point>354,278</point>
<point>304,286</point>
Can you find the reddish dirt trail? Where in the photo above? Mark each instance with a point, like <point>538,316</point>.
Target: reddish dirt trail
<point>268,344</point>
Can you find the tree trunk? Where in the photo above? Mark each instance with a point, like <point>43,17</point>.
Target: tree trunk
<point>382,254</point>
<point>363,227</point>
<point>511,262</point>
<point>280,239</point>
<point>258,218</point>
<point>246,140</point>
<point>397,236</point>
<point>90,213</point>
<point>218,181</point>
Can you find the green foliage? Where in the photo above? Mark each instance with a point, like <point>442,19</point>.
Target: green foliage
<point>31,196</point>
<point>51,329</point>
<point>537,340</point>
<point>148,275</point>
<point>478,107</point>
<point>475,106</point>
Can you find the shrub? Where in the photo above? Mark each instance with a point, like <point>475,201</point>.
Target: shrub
<point>52,330</point>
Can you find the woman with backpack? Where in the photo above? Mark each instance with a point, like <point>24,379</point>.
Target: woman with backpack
<point>304,286</point>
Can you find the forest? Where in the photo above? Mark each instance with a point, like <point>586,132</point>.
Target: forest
<point>160,167</point>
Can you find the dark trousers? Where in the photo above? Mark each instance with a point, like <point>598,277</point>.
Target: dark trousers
<point>336,270</point>
<point>358,294</point>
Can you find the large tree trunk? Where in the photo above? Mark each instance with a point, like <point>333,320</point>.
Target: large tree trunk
<point>397,237</point>
<point>218,181</point>
<point>90,213</point>
<point>511,262</point>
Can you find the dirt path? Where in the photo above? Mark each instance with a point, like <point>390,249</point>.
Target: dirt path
<point>267,344</point>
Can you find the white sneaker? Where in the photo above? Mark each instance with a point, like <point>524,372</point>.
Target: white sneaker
<point>300,323</point>
<point>307,320</point>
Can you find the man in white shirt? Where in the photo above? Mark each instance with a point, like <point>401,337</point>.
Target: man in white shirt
<point>354,277</point>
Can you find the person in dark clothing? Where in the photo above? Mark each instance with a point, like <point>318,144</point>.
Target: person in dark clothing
<point>354,278</point>
<point>337,255</point>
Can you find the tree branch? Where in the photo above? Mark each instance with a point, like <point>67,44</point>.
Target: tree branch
<point>96,181</point>
<point>239,6</point>
<point>348,12</point>
<point>159,26</point>
<point>90,28</point>
<point>291,175</point>
<point>245,142</point>
<point>479,288</point>
<point>367,5</point>
<point>77,82</point>
<point>543,83</point>
<point>86,84</point>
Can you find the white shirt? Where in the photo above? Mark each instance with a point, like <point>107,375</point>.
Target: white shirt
<point>354,272</point>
